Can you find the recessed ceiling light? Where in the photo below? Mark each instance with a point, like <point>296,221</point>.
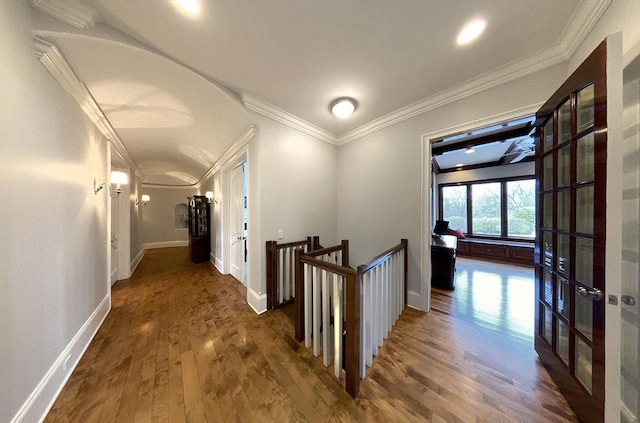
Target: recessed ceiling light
<point>470,150</point>
<point>471,31</point>
<point>343,107</point>
<point>460,165</point>
<point>190,6</point>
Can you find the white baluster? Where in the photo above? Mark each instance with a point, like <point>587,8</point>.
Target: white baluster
<point>326,317</point>
<point>280,270</point>
<point>338,291</point>
<point>317,310</point>
<point>308,304</point>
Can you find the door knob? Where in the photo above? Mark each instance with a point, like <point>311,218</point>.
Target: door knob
<point>595,293</point>
<point>628,300</point>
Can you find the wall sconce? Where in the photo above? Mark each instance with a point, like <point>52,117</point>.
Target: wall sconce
<point>144,199</point>
<point>209,195</point>
<point>117,179</point>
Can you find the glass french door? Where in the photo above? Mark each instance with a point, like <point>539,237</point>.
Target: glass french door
<point>571,166</point>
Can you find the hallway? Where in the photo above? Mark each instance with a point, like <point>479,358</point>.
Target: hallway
<point>181,344</point>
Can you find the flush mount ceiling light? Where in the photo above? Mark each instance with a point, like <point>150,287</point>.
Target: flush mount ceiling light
<point>190,6</point>
<point>343,107</point>
<point>471,31</point>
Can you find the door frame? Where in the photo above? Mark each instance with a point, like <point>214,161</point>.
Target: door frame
<point>231,211</point>
<point>422,300</point>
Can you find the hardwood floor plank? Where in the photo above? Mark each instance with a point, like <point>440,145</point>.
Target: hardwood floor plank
<point>181,345</point>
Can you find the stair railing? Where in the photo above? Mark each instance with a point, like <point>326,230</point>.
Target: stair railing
<point>280,273</point>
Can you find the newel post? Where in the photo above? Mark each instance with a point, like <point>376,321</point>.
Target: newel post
<point>299,300</point>
<point>345,252</point>
<point>272,277</point>
<point>405,244</point>
<point>352,359</point>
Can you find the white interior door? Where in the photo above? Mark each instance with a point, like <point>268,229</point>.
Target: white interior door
<point>630,374</point>
<point>236,221</point>
<point>114,240</point>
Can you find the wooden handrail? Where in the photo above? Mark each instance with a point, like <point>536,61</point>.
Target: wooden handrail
<point>383,256</point>
<point>344,271</point>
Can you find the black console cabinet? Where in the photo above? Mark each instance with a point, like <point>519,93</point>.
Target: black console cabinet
<point>443,261</point>
<point>199,228</point>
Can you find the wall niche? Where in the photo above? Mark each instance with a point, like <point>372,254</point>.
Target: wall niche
<point>181,216</point>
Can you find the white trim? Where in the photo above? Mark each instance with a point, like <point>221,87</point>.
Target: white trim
<point>414,300</point>
<point>424,302</point>
<point>258,302</point>
<point>286,118</point>
<point>46,392</point>
<point>584,18</point>
<point>136,261</point>
<point>164,244</point>
<point>217,263</point>
<point>73,12</point>
<point>62,72</point>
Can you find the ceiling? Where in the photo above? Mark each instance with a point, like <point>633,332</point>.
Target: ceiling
<point>176,88</point>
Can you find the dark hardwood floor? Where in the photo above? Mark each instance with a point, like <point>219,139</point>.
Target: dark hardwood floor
<point>181,344</point>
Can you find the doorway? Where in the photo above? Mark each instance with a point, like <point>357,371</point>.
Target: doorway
<point>238,218</point>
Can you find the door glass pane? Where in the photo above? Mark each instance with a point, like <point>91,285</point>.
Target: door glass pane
<point>583,363</point>
<point>563,254</point>
<point>521,208</point>
<point>454,207</point>
<point>584,261</point>
<point>547,135</point>
<point>585,158</point>
<point>564,210</point>
<point>485,209</point>
<point>547,211</point>
<point>562,305</point>
<point>548,287</point>
<point>584,315</point>
<point>547,324</point>
<point>547,178</point>
<point>585,108</point>
<point>547,249</point>
<point>564,113</point>
<point>564,167</point>
<point>562,347</point>
<point>584,210</point>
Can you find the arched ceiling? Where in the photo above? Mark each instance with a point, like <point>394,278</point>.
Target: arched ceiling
<point>169,82</point>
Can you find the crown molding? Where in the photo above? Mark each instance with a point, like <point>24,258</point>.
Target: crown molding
<point>59,68</point>
<point>73,12</point>
<point>585,16</point>
<point>240,143</point>
<point>286,118</point>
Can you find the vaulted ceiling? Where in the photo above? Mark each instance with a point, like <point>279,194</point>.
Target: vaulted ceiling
<point>176,87</point>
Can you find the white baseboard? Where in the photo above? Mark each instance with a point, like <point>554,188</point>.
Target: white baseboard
<point>41,400</point>
<point>217,263</point>
<point>257,302</point>
<point>114,277</point>
<point>136,261</point>
<point>414,300</point>
<point>164,244</point>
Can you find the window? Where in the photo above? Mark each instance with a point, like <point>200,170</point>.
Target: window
<point>486,218</point>
<point>521,208</point>
<point>454,207</point>
<point>501,208</point>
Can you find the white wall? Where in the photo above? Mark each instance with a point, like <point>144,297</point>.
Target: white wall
<point>297,183</point>
<point>380,175</point>
<point>158,217</point>
<point>54,276</point>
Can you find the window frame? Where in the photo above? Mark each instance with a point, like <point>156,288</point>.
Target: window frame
<point>503,206</point>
